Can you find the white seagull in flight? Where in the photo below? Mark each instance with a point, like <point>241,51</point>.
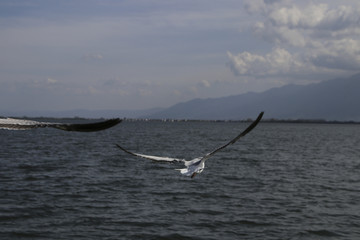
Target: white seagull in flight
<point>21,124</point>
<point>197,164</point>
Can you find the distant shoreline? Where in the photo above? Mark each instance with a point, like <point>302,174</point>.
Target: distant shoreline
<point>273,120</point>
<point>317,121</point>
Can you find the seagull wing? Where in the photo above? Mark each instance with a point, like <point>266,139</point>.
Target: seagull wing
<point>154,158</point>
<point>246,131</point>
<point>20,124</point>
<point>88,127</point>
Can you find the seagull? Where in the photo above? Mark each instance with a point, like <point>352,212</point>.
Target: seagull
<point>195,165</point>
<point>21,124</point>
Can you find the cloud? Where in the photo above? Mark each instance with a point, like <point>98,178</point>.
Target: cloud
<point>262,6</point>
<point>306,39</point>
<point>278,62</point>
<point>89,57</point>
<point>204,83</point>
<point>41,83</point>
<point>51,81</point>
<point>340,54</point>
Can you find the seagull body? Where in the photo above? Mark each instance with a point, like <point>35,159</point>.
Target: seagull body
<point>21,124</point>
<point>195,165</point>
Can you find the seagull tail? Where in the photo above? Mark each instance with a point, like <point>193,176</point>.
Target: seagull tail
<point>187,172</point>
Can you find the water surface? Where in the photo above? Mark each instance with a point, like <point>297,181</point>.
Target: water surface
<point>281,181</point>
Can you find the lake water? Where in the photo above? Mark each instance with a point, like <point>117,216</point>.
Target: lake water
<point>281,181</point>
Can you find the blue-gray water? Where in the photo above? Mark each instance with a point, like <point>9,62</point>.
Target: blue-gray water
<point>281,181</point>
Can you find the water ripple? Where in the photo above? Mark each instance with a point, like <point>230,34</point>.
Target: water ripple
<point>288,181</point>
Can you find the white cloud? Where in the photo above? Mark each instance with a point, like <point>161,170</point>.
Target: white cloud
<point>262,6</point>
<point>205,83</point>
<point>278,62</point>
<point>307,39</point>
<point>295,17</point>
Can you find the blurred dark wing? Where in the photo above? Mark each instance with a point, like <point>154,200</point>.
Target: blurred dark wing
<point>154,158</point>
<point>20,124</point>
<point>88,127</point>
<point>246,131</point>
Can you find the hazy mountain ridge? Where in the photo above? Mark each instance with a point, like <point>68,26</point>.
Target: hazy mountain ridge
<point>332,100</point>
<point>336,99</point>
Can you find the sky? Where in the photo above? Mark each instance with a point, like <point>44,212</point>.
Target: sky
<point>127,54</point>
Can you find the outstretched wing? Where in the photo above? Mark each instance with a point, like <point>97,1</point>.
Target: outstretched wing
<point>88,127</point>
<point>246,131</point>
<point>154,158</point>
<point>20,124</point>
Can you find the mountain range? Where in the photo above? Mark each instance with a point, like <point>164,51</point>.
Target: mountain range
<point>332,100</point>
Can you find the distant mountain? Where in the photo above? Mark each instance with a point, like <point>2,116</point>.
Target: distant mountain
<point>337,99</point>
